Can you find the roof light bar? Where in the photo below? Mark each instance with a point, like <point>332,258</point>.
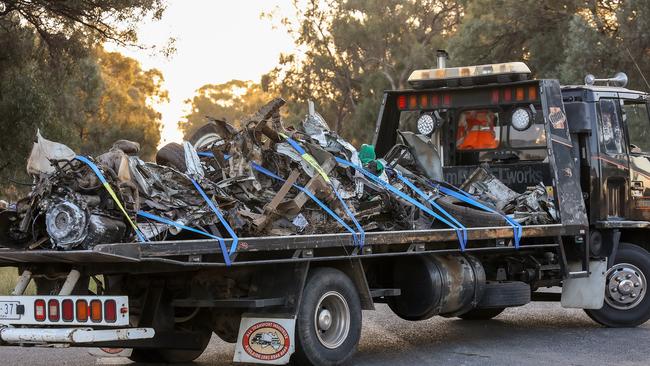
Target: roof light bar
<point>469,75</point>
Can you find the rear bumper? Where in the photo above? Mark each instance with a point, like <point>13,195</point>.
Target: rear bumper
<point>71,335</point>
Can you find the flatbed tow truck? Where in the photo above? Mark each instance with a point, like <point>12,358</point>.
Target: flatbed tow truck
<point>299,298</point>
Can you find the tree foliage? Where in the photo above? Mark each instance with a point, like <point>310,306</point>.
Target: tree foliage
<point>230,101</point>
<point>354,50</point>
<point>55,76</point>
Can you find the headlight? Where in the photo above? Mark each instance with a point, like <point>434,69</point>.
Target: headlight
<point>425,124</point>
<point>521,119</point>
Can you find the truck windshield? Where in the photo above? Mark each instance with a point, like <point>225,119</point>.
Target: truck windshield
<point>638,126</point>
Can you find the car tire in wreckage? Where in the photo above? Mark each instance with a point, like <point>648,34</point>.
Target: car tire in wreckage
<point>172,155</point>
<point>469,215</point>
<point>328,326</point>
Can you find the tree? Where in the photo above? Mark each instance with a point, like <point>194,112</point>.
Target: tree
<point>231,101</point>
<point>356,49</point>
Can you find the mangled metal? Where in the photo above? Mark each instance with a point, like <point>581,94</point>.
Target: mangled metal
<point>264,178</point>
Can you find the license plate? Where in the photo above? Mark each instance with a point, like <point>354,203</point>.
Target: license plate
<point>9,310</point>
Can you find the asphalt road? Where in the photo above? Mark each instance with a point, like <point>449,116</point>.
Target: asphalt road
<point>537,334</point>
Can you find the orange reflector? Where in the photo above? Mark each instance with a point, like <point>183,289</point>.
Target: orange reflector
<point>82,311</point>
<point>424,101</point>
<point>96,311</point>
<point>401,102</point>
<point>413,101</point>
<point>519,94</point>
<point>532,93</point>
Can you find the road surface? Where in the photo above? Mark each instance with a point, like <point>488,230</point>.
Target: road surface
<point>536,334</point>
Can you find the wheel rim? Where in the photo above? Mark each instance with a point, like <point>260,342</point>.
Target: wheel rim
<point>626,286</point>
<point>206,140</point>
<point>332,319</point>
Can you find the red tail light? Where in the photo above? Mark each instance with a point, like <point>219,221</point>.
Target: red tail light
<point>446,99</point>
<point>96,311</point>
<point>401,102</point>
<point>110,311</point>
<point>53,310</point>
<point>67,310</point>
<point>82,311</point>
<point>39,310</point>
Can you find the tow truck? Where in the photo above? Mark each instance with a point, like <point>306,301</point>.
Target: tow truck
<point>300,298</point>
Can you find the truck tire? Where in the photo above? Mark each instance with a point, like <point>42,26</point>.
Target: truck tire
<point>627,279</point>
<point>328,326</point>
<point>172,155</point>
<point>470,216</point>
<point>481,314</point>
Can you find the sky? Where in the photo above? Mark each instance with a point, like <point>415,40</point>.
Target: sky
<point>216,41</point>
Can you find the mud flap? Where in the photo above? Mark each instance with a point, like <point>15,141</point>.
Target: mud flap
<point>585,292</point>
<point>265,339</point>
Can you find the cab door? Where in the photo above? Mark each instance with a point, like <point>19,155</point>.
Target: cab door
<point>613,158</point>
<point>637,121</point>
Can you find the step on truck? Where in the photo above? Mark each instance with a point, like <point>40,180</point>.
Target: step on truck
<point>300,297</point>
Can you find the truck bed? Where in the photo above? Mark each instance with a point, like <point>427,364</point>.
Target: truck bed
<point>278,249</point>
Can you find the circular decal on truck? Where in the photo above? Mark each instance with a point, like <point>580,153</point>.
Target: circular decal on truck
<point>266,341</point>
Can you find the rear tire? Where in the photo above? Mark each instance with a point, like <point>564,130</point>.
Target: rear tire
<point>328,326</point>
<point>481,314</point>
<point>633,261</point>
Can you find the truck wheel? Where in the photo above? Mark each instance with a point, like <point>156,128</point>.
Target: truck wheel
<point>205,136</point>
<point>626,301</point>
<point>481,314</point>
<point>328,326</point>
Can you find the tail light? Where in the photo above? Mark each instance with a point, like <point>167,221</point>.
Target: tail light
<point>519,94</point>
<point>110,311</point>
<point>39,310</point>
<point>82,311</point>
<point>53,310</point>
<point>413,101</point>
<point>532,93</point>
<point>96,311</point>
<point>446,100</point>
<point>67,310</point>
<point>495,96</point>
<point>424,101</point>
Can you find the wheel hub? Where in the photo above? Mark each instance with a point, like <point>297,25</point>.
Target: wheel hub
<point>332,320</point>
<point>625,286</point>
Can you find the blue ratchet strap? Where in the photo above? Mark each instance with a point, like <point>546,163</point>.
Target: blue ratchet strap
<point>457,225</point>
<point>360,237</point>
<point>404,196</point>
<point>209,154</point>
<point>111,192</point>
<point>222,243</point>
<point>233,235</point>
<point>465,197</point>
<point>311,195</point>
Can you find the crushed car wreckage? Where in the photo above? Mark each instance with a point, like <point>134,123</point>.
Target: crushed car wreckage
<point>260,180</point>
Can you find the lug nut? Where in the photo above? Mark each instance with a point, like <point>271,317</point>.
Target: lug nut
<point>614,289</point>
<point>628,276</point>
<point>622,298</point>
<point>618,278</point>
<point>636,284</point>
<point>633,295</point>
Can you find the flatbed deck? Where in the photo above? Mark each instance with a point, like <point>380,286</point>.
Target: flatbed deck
<point>277,249</point>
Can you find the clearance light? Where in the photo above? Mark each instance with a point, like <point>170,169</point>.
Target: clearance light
<point>401,102</point>
<point>470,75</point>
<point>96,311</point>
<point>39,310</point>
<point>82,311</point>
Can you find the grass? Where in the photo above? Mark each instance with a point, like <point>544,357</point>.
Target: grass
<point>8,279</point>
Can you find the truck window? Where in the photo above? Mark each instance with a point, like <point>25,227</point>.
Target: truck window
<point>611,134</point>
<point>638,126</point>
<point>478,130</point>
